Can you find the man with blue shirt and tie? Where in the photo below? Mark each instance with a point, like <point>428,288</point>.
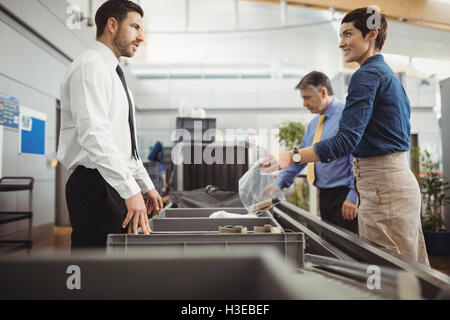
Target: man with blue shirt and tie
<point>335,181</point>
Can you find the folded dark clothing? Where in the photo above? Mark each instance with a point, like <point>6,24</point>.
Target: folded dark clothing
<point>209,197</point>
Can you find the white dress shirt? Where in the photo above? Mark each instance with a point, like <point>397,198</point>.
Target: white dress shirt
<point>94,122</point>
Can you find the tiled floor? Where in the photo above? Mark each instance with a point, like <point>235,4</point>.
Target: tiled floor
<point>60,241</point>
<point>441,263</point>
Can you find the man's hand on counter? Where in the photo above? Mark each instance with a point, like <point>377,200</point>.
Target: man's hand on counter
<point>154,202</point>
<point>137,214</point>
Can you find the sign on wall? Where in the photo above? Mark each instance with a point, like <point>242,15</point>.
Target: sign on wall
<point>32,131</point>
<point>9,111</point>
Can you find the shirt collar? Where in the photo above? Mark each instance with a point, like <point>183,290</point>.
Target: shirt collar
<point>331,108</point>
<point>377,57</point>
<point>106,53</point>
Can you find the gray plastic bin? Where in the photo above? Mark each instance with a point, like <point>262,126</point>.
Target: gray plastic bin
<point>206,224</point>
<point>290,245</point>
<point>139,276</point>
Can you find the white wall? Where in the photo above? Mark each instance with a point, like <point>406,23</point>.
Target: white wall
<point>422,93</point>
<point>32,72</point>
<point>201,42</point>
<point>209,49</point>
<point>308,39</point>
<point>445,91</point>
<point>425,123</point>
<point>259,104</point>
<point>49,18</point>
<point>236,103</point>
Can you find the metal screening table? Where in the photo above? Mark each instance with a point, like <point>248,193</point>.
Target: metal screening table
<point>13,216</point>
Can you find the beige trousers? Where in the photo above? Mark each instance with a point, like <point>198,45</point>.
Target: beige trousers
<point>390,205</point>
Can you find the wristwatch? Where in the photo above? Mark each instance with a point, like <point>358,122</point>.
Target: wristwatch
<point>297,157</point>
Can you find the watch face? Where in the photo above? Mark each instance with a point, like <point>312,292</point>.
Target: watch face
<point>296,157</point>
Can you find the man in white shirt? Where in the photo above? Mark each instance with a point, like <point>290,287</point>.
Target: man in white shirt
<point>97,139</point>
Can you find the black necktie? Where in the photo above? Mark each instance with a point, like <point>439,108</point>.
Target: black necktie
<point>130,113</point>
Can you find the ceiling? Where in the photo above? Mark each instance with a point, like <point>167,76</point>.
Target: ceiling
<point>206,16</point>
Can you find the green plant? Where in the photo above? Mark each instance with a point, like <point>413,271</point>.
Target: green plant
<point>414,154</point>
<point>300,196</point>
<point>291,134</point>
<point>433,188</point>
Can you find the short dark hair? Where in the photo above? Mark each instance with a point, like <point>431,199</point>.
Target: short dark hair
<point>360,18</point>
<point>117,9</point>
<point>317,80</point>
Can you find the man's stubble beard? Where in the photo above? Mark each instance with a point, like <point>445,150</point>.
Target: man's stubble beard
<point>122,46</point>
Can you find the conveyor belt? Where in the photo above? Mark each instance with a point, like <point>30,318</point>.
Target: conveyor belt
<point>331,241</point>
<point>323,286</point>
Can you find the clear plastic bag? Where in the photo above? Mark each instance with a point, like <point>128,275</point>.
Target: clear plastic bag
<point>256,186</point>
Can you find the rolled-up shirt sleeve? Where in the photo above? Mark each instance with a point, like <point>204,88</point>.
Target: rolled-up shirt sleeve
<point>358,110</point>
<point>89,93</point>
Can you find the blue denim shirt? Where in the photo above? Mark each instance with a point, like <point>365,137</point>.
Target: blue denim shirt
<point>328,175</point>
<point>375,120</point>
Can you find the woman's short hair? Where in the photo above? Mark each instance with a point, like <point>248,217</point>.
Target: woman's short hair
<point>366,19</point>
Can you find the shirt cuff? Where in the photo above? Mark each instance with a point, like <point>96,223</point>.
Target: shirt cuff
<point>281,182</point>
<point>146,184</point>
<point>128,189</point>
<point>352,196</point>
<point>323,151</point>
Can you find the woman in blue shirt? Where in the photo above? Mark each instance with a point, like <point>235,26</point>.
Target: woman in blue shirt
<point>375,128</point>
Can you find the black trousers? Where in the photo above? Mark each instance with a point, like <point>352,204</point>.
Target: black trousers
<point>330,201</point>
<point>95,209</point>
